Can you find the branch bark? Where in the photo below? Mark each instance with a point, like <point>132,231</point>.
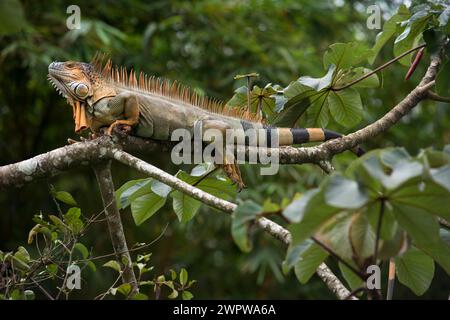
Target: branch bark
<point>104,178</point>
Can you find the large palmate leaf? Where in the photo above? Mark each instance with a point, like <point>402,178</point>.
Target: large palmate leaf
<point>131,190</point>
<point>345,55</point>
<point>242,216</point>
<point>319,83</point>
<point>143,207</point>
<point>300,98</point>
<point>185,207</point>
<point>389,29</point>
<point>415,270</point>
<point>309,261</point>
<point>261,99</point>
<point>344,212</point>
<point>352,74</point>
<point>411,34</point>
<point>345,107</point>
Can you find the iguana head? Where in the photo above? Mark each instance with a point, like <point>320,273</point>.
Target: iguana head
<point>82,84</point>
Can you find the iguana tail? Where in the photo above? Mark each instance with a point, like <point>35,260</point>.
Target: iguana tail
<point>292,136</point>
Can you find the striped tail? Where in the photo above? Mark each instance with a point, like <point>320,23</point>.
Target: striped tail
<point>291,136</point>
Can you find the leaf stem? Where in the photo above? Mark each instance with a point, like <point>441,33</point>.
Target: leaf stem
<point>377,238</point>
<point>383,66</point>
<point>337,257</point>
<point>249,91</point>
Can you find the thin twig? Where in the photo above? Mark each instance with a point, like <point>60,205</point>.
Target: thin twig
<point>434,96</point>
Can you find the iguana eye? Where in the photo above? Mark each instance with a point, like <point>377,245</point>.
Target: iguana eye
<point>81,90</point>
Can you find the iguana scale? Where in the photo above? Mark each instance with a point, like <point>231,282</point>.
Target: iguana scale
<point>106,96</point>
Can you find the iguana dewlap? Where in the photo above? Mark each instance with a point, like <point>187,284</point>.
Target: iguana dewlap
<point>103,96</point>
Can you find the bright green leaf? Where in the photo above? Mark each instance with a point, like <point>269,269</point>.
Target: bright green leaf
<point>243,214</point>
<point>415,270</point>
<point>183,276</point>
<point>309,261</point>
<point>146,206</point>
<point>346,107</point>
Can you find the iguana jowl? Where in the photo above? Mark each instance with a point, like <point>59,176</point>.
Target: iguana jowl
<point>103,96</point>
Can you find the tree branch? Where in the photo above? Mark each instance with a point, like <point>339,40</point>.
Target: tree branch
<point>103,148</point>
<point>434,96</point>
<point>104,178</point>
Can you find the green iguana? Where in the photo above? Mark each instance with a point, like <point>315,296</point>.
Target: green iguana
<point>106,96</point>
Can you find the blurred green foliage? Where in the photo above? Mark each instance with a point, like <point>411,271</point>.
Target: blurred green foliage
<point>204,44</point>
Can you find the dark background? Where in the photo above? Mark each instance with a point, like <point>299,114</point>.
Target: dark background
<point>201,43</point>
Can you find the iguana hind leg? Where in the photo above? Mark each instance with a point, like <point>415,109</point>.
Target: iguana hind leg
<point>234,173</point>
<point>226,161</point>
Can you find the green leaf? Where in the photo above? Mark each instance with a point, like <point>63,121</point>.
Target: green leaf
<point>401,173</point>
<point>296,106</point>
<point>345,55</point>
<point>335,232</point>
<point>443,80</point>
<point>389,29</point>
<point>309,261</point>
<point>352,279</point>
<point>341,192</point>
<point>184,206</point>
<point>82,249</point>
<point>173,295</point>
<point>92,266</point>
<point>420,225</point>
<point>260,98</point>
<point>131,190</point>
<point>319,83</point>
<point>313,214</point>
<point>173,274</point>
<point>242,216</point>
<point>425,195</point>
<point>435,40</point>
<point>186,295</point>
<point>183,276</point>
<point>440,252</point>
<point>73,221</point>
<point>124,289</point>
<point>220,188</point>
<point>65,197</point>
<point>346,107</point>
<point>113,264</point>
<point>415,270</point>
<point>160,188</point>
<point>444,16</point>
<point>362,236</point>
<point>295,210</point>
<point>318,113</point>
<point>146,206</point>
<point>353,74</point>
<point>22,255</point>
<point>247,75</point>
<point>202,169</point>
<point>410,36</point>
<point>140,296</point>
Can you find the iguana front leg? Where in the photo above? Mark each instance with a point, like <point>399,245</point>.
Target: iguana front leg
<point>130,104</point>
